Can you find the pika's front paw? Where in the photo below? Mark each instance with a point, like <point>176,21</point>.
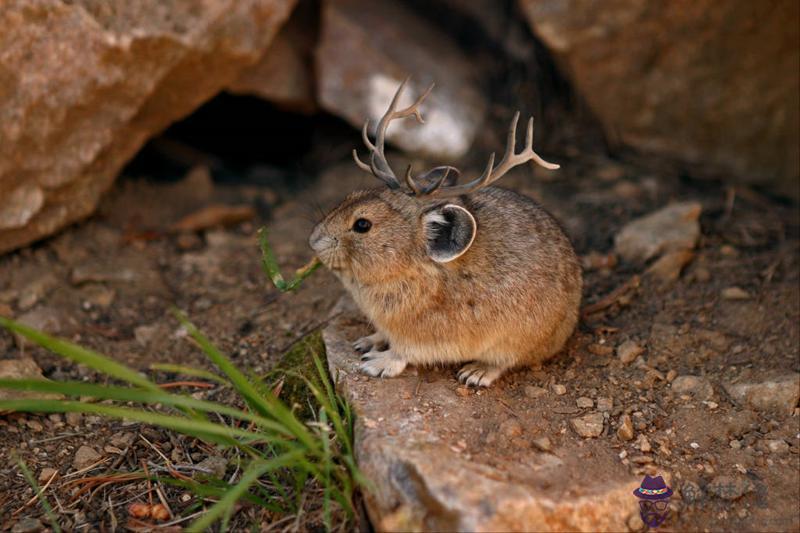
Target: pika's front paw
<point>479,374</point>
<point>382,364</point>
<point>377,341</point>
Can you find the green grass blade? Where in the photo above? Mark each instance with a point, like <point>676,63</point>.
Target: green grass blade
<point>175,423</point>
<point>250,476</point>
<point>51,516</point>
<point>270,266</point>
<point>189,371</point>
<point>79,354</point>
<point>125,394</point>
<point>263,403</point>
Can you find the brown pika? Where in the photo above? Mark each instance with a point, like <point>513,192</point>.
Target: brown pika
<point>452,273</point>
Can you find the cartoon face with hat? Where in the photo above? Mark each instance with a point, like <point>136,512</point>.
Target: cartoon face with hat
<point>653,500</point>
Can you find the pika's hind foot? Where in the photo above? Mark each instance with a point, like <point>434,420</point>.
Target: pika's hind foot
<point>478,374</point>
<point>377,341</point>
<point>385,364</point>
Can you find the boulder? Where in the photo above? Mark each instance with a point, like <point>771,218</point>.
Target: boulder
<point>434,466</point>
<point>708,82</point>
<point>368,47</point>
<point>84,84</point>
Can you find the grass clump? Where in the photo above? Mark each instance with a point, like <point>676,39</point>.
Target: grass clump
<point>281,450</point>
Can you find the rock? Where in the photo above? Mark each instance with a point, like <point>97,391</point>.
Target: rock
<point>669,266</point>
<point>590,425</point>
<point>735,293</point>
<point>74,419</point>
<point>601,350</point>
<point>543,444</point>
<point>692,493</point>
<point>214,466</point>
<point>697,387</point>
<point>85,457</point>
<point>28,525</point>
<point>625,429</point>
<point>667,96</point>
<point>643,444</point>
<point>778,395</point>
<point>22,369</point>
<point>422,481</point>
<point>366,50</point>
<point>284,74</point>
<point>532,391</point>
<point>584,402</point>
<point>35,291</point>
<point>558,389</point>
<point>729,487</point>
<point>605,404</point>
<point>511,428</point>
<point>84,84</point>
<point>671,228</point>
<point>628,351</point>
<point>46,473</point>
<point>777,446</point>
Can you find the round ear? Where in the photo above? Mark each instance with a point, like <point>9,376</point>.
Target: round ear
<point>449,231</point>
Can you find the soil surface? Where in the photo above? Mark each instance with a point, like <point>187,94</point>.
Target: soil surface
<point>109,284</point>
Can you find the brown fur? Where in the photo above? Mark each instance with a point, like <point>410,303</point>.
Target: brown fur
<point>511,299</point>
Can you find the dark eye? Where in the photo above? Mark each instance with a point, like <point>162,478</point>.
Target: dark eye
<point>362,225</point>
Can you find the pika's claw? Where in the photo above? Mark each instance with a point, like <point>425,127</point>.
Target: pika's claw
<point>382,364</point>
<point>478,374</point>
<point>377,340</point>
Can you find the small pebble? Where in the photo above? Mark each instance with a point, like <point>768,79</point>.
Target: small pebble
<point>735,293</point>
<point>534,392</point>
<point>694,445</point>
<point>628,351</point>
<point>543,444</point>
<point>584,402</point>
<point>511,428</point>
<point>84,457</point>
<point>463,391</point>
<point>605,404</point>
<point>588,426</point>
<point>644,444</point>
<point>46,474</point>
<point>558,389</point>
<point>778,446</point>
<point>625,429</point>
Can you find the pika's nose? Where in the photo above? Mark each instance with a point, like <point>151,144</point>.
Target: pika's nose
<point>318,240</point>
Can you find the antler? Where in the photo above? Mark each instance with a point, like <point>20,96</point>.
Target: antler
<point>492,173</point>
<point>378,165</point>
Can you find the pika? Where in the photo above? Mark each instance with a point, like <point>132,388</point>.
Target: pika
<point>451,273</point>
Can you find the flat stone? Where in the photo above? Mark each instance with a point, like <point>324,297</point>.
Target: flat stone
<point>778,395</point>
<point>532,391</point>
<point>423,479</point>
<point>28,525</point>
<point>84,457</point>
<point>587,426</point>
<point>735,293</point>
<point>695,386</point>
<point>605,404</point>
<point>364,52</point>
<point>584,402</point>
<point>674,227</point>
<point>669,266</point>
<point>558,389</point>
<point>46,473</point>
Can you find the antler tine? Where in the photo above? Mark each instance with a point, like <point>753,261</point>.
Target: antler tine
<point>411,183</point>
<point>510,159</point>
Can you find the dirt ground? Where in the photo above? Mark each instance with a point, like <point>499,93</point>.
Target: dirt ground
<point>109,283</point>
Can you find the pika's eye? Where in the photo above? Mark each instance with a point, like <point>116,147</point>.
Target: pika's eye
<point>362,225</point>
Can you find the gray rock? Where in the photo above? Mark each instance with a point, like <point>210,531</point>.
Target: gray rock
<point>674,227</point>
<point>72,118</point>
<point>778,395</point>
<point>587,426</point>
<point>584,403</point>
<point>213,465</point>
<point>605,404</point>
<point>367,47</point>
<point>423,481</point>
<point>695,386</point>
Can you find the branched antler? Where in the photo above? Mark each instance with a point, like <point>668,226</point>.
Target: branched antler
<point>421,185</point>
<point>378,165</point>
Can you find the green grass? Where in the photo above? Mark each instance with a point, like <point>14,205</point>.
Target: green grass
<point>282,450</point>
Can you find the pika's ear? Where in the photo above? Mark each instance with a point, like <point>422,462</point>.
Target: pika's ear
<point>449,231</point>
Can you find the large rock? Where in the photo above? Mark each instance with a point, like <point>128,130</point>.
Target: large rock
<point>444,459</point>
<point>709,82</point>
<point>675,227</point>
<point>84,84</point>
<point>367,47</point>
